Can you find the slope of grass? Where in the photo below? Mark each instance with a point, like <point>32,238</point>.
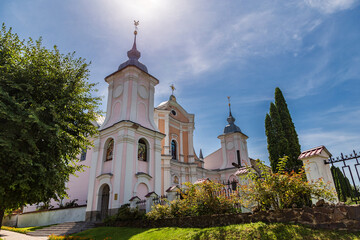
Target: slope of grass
<point>242,231</point>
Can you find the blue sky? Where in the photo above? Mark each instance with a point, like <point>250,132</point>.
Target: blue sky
<point>213,49</point>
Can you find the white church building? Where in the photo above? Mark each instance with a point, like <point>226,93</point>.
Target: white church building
<point>142,149</point>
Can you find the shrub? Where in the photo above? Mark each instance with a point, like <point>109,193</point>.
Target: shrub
<point>125,213</point>
<point>280,190</point>
<point>197,199</point>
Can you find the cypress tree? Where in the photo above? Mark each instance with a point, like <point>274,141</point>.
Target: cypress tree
<point>289,131</point>
<point>271,141</point>
<point>278,143</point>
<point>342,184</point>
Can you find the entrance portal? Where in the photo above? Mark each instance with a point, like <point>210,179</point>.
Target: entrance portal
<point>105,201</point>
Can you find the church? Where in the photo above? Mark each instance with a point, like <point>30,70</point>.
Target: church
<point>142,149</point>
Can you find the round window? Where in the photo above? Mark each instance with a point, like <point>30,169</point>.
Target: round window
<point>173,112</point>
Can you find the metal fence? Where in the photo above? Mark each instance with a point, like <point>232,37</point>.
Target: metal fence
<point>160,200</point>
<point>350,168</point>
<point>141,205</point>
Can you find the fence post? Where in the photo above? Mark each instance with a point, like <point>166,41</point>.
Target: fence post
<point>315,167</point>
<point>150,200</point>
<point>172,192</point>
<point>133,201</point>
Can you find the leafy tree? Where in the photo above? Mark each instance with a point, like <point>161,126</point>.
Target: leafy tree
<point>282,138</point>
<point>281,189</point>
<point>46,109</point>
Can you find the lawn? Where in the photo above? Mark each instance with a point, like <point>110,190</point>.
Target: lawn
<point>251,231</point>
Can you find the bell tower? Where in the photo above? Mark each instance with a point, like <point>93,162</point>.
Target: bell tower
<point>131,92</point>
<point>126,158</point>
<point>233,144</point>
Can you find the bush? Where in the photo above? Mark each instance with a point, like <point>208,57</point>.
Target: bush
<point>197,199</point>
<point>280,190</point>
<point>125,213</point>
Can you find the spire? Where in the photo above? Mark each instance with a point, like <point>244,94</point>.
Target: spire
<point>231,127</point>
<point>133,54</point>
<point>230,119</point>
<point>201,154</point>
<point>229,106</point>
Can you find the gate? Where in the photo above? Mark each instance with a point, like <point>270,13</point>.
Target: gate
<point>347,179</point>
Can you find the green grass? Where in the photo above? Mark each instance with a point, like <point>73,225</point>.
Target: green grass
<point>242,231</point>
<point>22,230</point>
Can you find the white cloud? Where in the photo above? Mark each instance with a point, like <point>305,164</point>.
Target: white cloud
<point>331,6</point>
<point>336,141</point>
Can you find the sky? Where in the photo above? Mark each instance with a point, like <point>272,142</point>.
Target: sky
<point>213,49</point>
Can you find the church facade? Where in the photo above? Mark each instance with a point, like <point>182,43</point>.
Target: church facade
<point>141,149</point>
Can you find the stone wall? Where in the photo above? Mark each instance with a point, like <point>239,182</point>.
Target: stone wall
<point>338,217</point>
<point>46,217</point>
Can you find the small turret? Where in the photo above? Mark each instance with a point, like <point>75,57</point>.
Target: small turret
<point>201,157</point>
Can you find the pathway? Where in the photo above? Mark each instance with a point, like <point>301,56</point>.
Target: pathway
<point>9,235</point>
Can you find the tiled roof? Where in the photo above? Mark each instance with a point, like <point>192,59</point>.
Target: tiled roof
<point>202,180</point>
<point>313,152</point>
<point>242,170</point>
<point>133,198</point>
<point>172,188</point>
<point>149,194</point>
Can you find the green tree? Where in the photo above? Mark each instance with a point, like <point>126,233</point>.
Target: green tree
<point>281,135</point>
<point>282,189</point>
<point>342,184</point>
<point>289,131</point>
<point>46,109</point>
<point>277,143</point>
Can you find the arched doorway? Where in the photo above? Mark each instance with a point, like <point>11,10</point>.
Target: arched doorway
<point>104,201</point>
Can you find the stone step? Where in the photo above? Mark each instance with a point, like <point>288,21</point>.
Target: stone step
<point>63,229</point>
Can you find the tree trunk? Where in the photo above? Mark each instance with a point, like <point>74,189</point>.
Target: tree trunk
<point>2,211</point>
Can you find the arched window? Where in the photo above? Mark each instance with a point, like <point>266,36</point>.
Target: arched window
<point>109,150</point>
<point>142,150</point>
<point>173,149</point>
<point>83,154</point>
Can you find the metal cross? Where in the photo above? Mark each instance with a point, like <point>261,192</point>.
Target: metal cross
<point>172,89</point>
<point>136,23</point>
<point>229,103</point>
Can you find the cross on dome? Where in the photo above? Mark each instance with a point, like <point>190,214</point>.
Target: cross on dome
<point>172,89</point>
<point>133,54</point>
<point>231,127</point>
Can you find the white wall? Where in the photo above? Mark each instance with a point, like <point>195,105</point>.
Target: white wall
<point>48,217</point>
<point>10,221</point>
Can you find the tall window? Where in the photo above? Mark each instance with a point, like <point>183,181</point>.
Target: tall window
<point>173,149</point>
<point>109,150</point>
<point>83,154</point>
<point>142,150</point>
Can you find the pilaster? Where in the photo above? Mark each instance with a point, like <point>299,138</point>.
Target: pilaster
<point>92,177</point>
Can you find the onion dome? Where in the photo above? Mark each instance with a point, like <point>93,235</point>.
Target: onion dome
<point>133,55</point>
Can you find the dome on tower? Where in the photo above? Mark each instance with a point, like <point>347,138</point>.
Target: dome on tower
<point>133,55</point>
<point>231,127</point>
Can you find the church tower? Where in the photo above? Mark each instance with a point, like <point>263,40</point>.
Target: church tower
<point>233,144</point>
<point>126,158</point>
